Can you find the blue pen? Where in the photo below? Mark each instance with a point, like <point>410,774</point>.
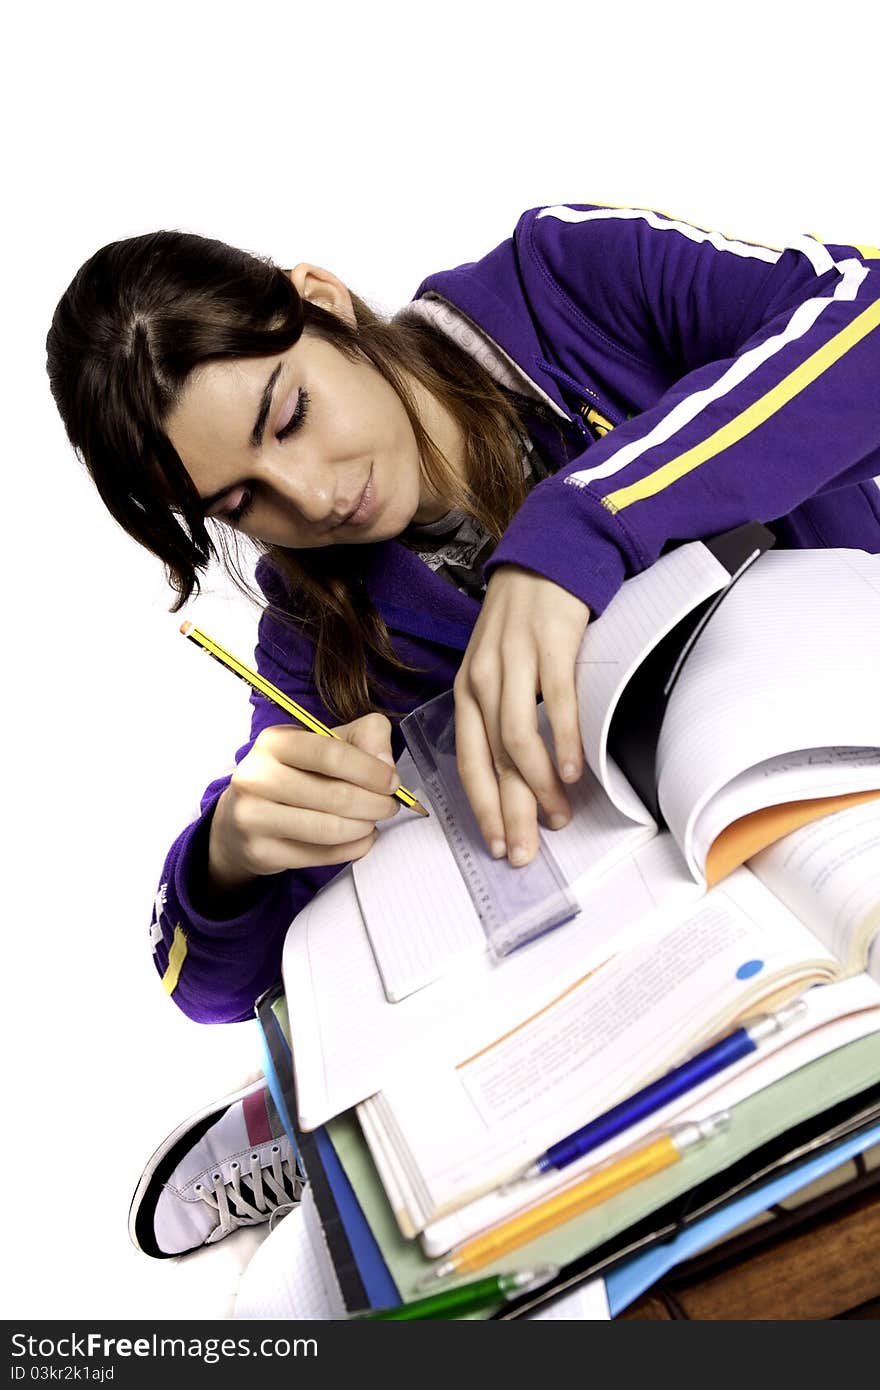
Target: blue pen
<point>659,1093</point>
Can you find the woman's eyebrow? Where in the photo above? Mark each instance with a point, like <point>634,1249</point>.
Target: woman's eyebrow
<point>265,407</point>
<point>256,438</point>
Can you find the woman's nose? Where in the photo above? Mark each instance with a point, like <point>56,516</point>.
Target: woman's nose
<point>308,485</point>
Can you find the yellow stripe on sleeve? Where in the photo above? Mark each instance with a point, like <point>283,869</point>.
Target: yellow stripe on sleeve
<point>868,253</point>
<point>176,957</point>
<point>756,414</point>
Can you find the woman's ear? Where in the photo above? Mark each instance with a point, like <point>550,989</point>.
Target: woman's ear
<point>321,287</point>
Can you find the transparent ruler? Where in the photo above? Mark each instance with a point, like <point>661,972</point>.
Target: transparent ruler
<point>513,905</point>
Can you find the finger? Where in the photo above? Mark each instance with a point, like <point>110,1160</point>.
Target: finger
<point>275,855</point>
<point>281,786</point>
<point>518,801</point>
<point>257,818</point>
<point>519,810</point>
<point>561,707</point>
<point>371,733</point>
<point>477,772</point>
<point>332,757</point>
<point>522,745</point>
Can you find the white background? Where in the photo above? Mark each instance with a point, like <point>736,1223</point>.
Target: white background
<point>385,142</point>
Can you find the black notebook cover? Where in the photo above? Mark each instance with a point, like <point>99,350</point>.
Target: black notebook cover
<point>635,725</point>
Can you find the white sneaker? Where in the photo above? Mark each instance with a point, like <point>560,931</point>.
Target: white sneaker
<point>228,1166</point>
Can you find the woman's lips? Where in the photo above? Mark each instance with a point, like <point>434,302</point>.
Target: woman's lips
<point>365,507</point>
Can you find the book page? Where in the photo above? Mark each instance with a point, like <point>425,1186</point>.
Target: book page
<point>417,910</point>
<point>466,1127</point>
<point>828,874</point>
<point>787,663</point>
<point>750,834</point>
<point>641,613</point>
<point>349,1041</point>
<point>813,774</point>
<point>837,1014</point>
<point>401,1197</point>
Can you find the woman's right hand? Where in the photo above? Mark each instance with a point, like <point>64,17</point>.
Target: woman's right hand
<point>300,800</point>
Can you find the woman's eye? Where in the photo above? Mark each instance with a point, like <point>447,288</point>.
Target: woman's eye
<point>241,501</point>
<point>290,422</point>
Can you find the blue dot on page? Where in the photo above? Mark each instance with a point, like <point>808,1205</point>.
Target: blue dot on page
<point>749,968</point>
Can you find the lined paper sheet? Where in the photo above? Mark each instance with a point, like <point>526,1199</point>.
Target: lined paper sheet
<point>288,1278</point>
<point>788,662</point>
<point>418,913</point>
<point>643,611</point>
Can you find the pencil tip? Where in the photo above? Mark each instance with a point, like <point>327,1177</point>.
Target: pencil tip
<point>419,809</point>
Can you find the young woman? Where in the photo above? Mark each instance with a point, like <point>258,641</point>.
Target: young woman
<point>442,499</point>
<point>446,498</point>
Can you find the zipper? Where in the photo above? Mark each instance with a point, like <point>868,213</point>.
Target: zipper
<point>596,423</point>
<point>591,420</point>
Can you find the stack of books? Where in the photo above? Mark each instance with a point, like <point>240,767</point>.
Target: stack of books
<point>724,856</point>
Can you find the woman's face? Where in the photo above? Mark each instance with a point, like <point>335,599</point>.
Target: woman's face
<point>303,450</point>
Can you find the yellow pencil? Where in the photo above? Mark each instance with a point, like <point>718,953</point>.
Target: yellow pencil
<point>606,1182</point>
<point>278,697</point>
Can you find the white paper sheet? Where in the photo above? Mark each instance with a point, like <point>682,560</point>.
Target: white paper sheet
<point>288,1276</point>
<point>585,1303</point>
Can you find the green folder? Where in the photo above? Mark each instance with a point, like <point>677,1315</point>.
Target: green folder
<point>804,1094</point>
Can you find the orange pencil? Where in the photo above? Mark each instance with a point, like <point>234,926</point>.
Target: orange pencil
<point>605,1182</point>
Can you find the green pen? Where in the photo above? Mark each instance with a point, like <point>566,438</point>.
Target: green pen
<point>467,1298</point>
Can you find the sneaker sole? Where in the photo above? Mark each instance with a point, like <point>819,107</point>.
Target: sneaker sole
<point>162,1165</point>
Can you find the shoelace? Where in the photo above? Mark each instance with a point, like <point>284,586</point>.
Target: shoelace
<point>251,1195</point>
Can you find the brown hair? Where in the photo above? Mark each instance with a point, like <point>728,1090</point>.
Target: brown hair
<point>136,320</point>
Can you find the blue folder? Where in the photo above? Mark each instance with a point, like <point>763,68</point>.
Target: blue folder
<point>364,1278</point>
<point>631,1278</point>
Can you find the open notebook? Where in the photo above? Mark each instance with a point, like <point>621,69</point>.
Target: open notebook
<point>771,721</point>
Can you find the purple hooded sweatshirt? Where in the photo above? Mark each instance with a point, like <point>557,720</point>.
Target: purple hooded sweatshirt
<point>697,382</point>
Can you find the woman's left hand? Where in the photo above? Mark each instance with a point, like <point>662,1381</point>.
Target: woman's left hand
<point>524,644</point>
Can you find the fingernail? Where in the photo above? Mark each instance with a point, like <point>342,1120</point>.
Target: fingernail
<point>558,820</point>
<point>394,783</point>
<point>386,757</point>
<point>519,854</point>
<point>498,849</point>
<point>569,771</point>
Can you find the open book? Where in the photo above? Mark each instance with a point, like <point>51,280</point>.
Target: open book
<point>350,1041</point>
<point>771,718</point>
<point>805,911</point>
<point>731,731</point>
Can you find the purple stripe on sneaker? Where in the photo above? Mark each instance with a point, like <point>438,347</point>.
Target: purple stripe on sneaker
<point>256,1119</point>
